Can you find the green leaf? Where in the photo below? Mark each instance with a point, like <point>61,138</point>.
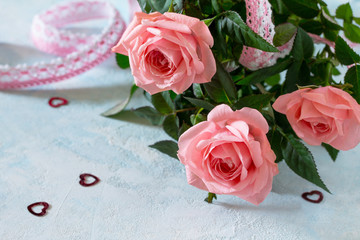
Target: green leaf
<point>303,46</point>
<point>283,34</point>
<point>216,92</point>
<point>196,118</point>
<point>264,73</point>
<point>301,161</point>
<point>198,92</point>
<point>168,147</point>
<point>171,126</point>
<point>160,5</point>
<point>163,102</point>
<point>122,61</point>
<point>121,105</point>
<point>257,101</point>
<point>206,7</point>
<point>312,26</point>
<point>332,151</point>
<point>329,22</point>
<point>224,78</point>
<point>150,114</point>
<point>303,8</point>
<point>344,53</point>
<point>297,74</point>
<point>184,127</point>
<point>352,32</point>
<point>344,12</point>
<point>200,103</point>
<point>357,20</point>
<point>231,23</point>
<point>275,139</point>
<point>273,80</point>
<point>353,77</point>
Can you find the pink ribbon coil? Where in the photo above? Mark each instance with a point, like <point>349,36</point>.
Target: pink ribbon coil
<point>79,52</point>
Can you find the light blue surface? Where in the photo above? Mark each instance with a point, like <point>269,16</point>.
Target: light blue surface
<point>143,194</point>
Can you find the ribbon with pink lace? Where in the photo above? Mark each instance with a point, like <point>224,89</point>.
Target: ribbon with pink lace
<point>78,52</point>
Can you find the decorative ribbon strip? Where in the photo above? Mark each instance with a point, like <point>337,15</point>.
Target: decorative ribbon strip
<point>79,52</point>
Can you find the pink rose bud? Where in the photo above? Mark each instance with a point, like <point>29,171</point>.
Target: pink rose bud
<point>168,52</point>
<point>230,154</point>
<point>323,115</point>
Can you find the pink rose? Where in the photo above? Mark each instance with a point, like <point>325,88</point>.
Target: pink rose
<point>230,154</point>
<point>325,114</point>
<point>168,52</point>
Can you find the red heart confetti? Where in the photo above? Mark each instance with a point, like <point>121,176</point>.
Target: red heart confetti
<point>56,102</point>
<point>306,195</point>
<point>43,211</point>
<point>84,177</point>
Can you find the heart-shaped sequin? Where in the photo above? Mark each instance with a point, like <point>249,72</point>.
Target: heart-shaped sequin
<point>56,102</point>
<point>43,210</point>
<point>306,195</point>
<point>85,177</point>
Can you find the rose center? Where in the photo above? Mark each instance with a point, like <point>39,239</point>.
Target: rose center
<point>159,62</point>
<point>319,127</point>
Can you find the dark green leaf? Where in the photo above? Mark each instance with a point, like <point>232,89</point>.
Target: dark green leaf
<point>183,129</point>
<point>332,151</point>
<point>121,105</point>
<point>273,80</point>
<point>353,77</point>
<point>150,114</point>
<point>122,61</point>
<point>232,24</point>
<point>161,5</point>
<point>344,53</point>
<point>168,147</point>
<point>144,5</point>
<point>344,12</point>
<point>352,32</point>
<point>329,22</point>
<point>283,34</point>
<point>301,161</point>
<point>331,34</point>
<point>275,140</point>
<point>224,78</point>
<point>303,46</point>
<point>312,26</point>
<point>257,101</point>
<point>303,8</point>
<point>216,92</point>
<point>171,126</point>
<point>196,118</point>
<point>200,103</point>
<point>264,73</point>
<point>297,74</point>
<point>206,7</point>
<point>163,102</point>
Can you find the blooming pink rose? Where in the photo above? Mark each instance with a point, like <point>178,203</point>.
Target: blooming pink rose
<point>168,52</point>
<point>230,154</point>
<point>325,114</point>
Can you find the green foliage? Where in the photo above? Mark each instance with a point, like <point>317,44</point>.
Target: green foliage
<point>332,151</point>
<point>303,8</point>
<point>257,101</point>
<point>344,53</point>
<point>121,105</point>
<point>168,147</point>
<point>283,34</point>
<point>160,5</point>
<point>150,114</point>
<point>353,77</point>
<point>344,12</point>
<point>122,61</point>
<point>301,161</point>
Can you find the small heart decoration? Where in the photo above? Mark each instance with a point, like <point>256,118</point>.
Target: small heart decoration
<point>84,177</point>
<point>56,102</point>
<point>43,210</point>
<point>306,195</point>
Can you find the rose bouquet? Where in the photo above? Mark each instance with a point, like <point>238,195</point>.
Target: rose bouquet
<point>212,71</point>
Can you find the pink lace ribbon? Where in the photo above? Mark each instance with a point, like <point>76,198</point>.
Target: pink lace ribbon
<point>79,52</point>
